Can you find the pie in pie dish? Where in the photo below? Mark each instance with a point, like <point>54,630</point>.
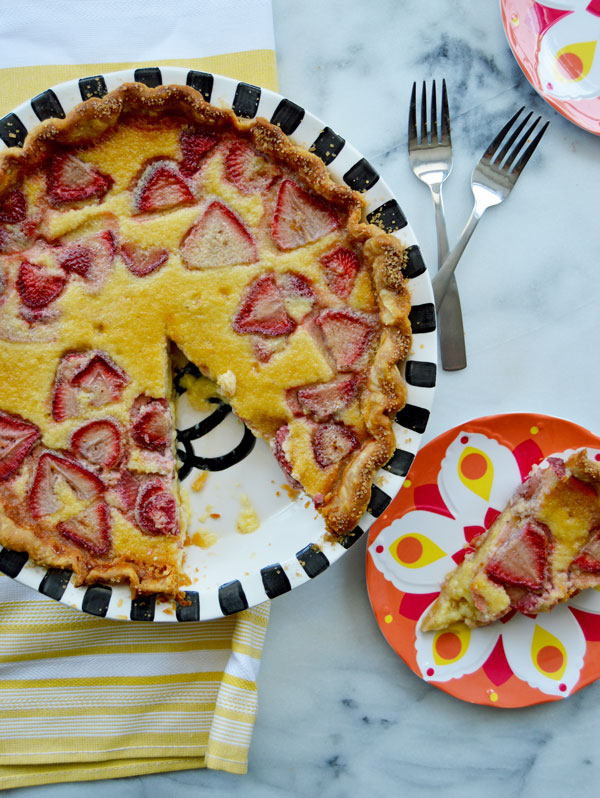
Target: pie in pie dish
<point>150,217</point>
<point>542,549</point>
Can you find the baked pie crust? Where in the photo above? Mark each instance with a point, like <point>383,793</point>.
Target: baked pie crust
<point>146,217</point>
<point>541,550</point>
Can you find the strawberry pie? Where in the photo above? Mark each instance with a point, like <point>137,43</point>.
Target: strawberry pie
<point>148,217</point>
<point>542,549</point>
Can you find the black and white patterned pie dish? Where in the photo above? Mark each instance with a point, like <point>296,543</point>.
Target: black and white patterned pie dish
<point>289,547</point>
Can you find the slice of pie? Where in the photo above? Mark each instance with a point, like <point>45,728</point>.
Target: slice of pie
<point>148,217</point>
<point>542,549</point>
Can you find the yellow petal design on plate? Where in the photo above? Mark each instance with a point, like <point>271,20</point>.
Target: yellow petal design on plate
<point>573,62</point>
<point>476,471</point>
<point>415,551</point>
<point>548,654</point>
<point>450,644</point>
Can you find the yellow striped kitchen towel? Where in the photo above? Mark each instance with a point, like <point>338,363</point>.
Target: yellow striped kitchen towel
<point>83,698</point>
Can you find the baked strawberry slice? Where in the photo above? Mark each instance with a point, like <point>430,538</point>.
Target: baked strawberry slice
<point>522,559</point>
<point>89,529</point>
<point>219,238</point>
<point>156,509</point>
<point>152,425</point>
<point>262,309</point>
<point>13,208</point>
<point>125,492</point>
<point>65,403</point>
<point>50,466</point>
<point>298,294</point>
<point>102,379</point>
<point>325,399</point>
<point>70,179</point>
<point>349,335</point>
<point>89,258</point>
<point>249,172</point>
<point>589,558</point>
<point>278,445</point>
<point>194,145</point>
<point>341,267</point>
<point>17,439</point>
<point>264,348</point>
<point>300,217</point>
<point>141,261</point>
<point>37,285</point>
<point>98,442</point>
<point>332,442</point>
<point>161,186</point>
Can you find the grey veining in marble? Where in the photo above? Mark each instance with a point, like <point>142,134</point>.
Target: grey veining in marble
<point>340,714</point>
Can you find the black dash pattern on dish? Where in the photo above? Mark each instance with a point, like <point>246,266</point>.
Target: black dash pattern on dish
<point>47,106</point>
<point>351,537</point>
<point>287,116</point>
<point>401,460</point>
<point>96,600</point>
<point>94,86</point>
<point>312,560</point>
<point>12,131</point>
<point>149,76</point>
<point>420,373</point>
<point>422,318</point>
<point>232,598</point>
<point>275,581</point>
<point>413,418</point>
<point>55,583</point>
<point>361,176</point>
<point>246,100</point>
<point>378,502</point>
<point>388,217</point>
<point>202,82</point>
<point>414,265</point>
<point>12,562</point>
<point>143,608</point>
<point>189,608</point>
<point>327,145</point>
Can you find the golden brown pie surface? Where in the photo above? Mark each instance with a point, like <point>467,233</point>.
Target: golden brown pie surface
<point>149,217</point>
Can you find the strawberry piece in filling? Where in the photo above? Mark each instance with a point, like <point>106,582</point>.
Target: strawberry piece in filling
<point>89,258</point>
<point>152,425</point>
<point>156,510</point>
<point>277,445</point>
<point>98,442</point>
<point>194,145</point>
<point>325,399</point>
<point>220,238</point>
<point>13,207</point>
<point>70,179</point>
<point>332,442</point>
<point>589,558</point>
<point>160,187</point>
<point>89,529</point>
<point>249,172</point>
<point>300,217</point>
<point>17,439</point>
<point>37,285</point>
<point>42,497</point>
<point>262,309</point>
<point>141,261</point>
<point>521,560</point>
<point>349,335</point>
<point>92,372</point>
<point>341,267</point>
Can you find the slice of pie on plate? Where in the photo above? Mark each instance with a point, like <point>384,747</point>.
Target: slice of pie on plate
<point>542,549</point>
<point>148,217</point>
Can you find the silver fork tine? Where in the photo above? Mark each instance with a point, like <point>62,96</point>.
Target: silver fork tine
<point>434,124</point>
<point>445,116</point>
<point>500,137</point>
<point>412,117</point>
<point>503,152</point>
<point>518,146</point>
<point>424,132</point>
<point>518,167</point>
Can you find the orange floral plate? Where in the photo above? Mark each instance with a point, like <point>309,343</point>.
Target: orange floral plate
<point>457,485</point>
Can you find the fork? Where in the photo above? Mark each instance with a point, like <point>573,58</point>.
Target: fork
<point>492,181</point>
<point>431,162</point>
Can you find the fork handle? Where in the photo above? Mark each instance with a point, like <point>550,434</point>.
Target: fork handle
<point>450,323</point>
<point>442,279</point>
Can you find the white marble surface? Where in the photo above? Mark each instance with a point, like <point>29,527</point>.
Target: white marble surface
<point>340,714</point>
